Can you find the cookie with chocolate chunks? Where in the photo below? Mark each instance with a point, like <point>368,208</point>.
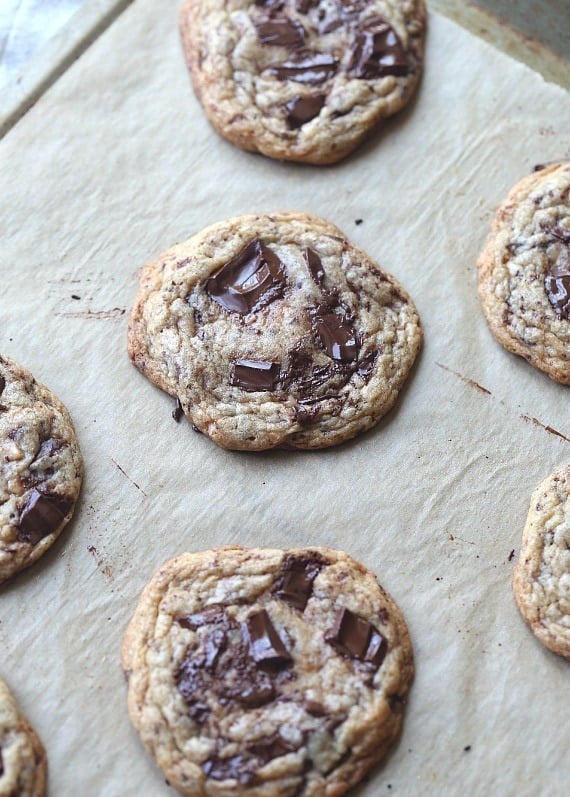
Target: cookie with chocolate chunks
<point>40,468</point>
<point>274,330</point>
<point>524,272</point>
<point>302,80</point>
<point>266,673</point>
<point>23,763</point>
<point>541,580</point>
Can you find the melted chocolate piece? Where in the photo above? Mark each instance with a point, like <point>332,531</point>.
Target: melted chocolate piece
<point>378,52</point>
<point>275,5</point>
<point>280,31</point>
<point>315,267</point>
<point>2,384</point>
<point>312,69</point>
<point>41,516</point>
<point>557,287</point>
<point>234,768</point>
<point>178,412</point>
<point>265,646</point>
<point>274,746</point>
<point>49,447</point>
<point>336,334</point>
<point>301,110</point>
<point>304,6</point>
<point>315,709</point>
<point>366,365</point>
<point>249,281</point>
<point>354,636</point>
<point>254,376</point>
<point>295,584</point>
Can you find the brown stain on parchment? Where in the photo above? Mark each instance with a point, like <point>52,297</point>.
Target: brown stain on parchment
<point>126,475</point>
<point>544,426</point>
<point>112,314</point>
<point>471,382</point>
<point>107,570</point>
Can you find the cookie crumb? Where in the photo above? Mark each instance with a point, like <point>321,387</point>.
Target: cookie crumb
<point>75,296</point>
<point>467,749</point>
<point>512,555</point>
<point>358,222</point>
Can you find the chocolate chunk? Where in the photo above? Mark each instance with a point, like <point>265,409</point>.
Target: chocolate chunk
<point>178,411</point>
<point>275,5</point>
<point>304,6</point>
<point>1,763</point>
<point>234,768</point>
<point>49,447</point>
<point>314,708</point>
<point>366,365</point>
<point>295,583</point>
<point>315,267</point>
<point>312,69</point>
<point>265,646</point>
<point>265,750</point>
<point>253,376</point>
<point>280,31</point>
<point>249,281</point>
<point>211,615</point>
<point>41,515</point>
<point>354,636</point>
<point>255,695</point>
<point>301,110</point>
<point>336,333</point>
<point>2,384</point>
<point>557,286</point>
<point>378,52</point>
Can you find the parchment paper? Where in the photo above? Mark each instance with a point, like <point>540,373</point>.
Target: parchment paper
<point>115,164</point>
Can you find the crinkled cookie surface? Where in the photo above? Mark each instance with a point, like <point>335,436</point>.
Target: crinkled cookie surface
<point>274,330</point>
<point>541,579</point>
<point>302,80</point>
<point>40,468</point>
<point>266,673</point>
<point>524,272</point>
<point>23,764</point>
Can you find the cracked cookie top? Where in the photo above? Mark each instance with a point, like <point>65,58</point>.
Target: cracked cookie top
<point>302,80</point>
<point>524,272</point>
<point>274,330</point>
<point>40,468</point>
<point>23,764</point>
<point>266,673</point>
<point>541,579</point>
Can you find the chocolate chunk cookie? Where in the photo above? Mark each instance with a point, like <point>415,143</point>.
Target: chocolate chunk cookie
<point>524,272</point>
<point>23,763</point>
<point>40,468</point>
<point>302,80</point>
<point>541,579</point>
<point>266,673</point>
<point>274,331</point>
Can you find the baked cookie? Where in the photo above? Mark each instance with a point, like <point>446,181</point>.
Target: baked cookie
<point>40,468</point>
<point>302,80</point>
<point>541,580</point>
<point>23,764</point>
<point>274,331</point>
<point>266,673</point>
<point>524,272</point>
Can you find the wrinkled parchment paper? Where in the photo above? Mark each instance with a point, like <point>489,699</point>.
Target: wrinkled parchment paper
<point>115,164</point>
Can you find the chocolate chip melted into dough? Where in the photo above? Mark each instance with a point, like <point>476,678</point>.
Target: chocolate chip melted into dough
<point>233,663</point>
<point>249,281</point>
<point>375,49</point>
<point>42,515</point>
<point>255,375</point>
<point>246,663</point>
<point>557,283</point>
<point>2,384</point>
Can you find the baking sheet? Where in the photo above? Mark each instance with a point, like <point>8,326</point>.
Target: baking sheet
<point>112,166</point>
